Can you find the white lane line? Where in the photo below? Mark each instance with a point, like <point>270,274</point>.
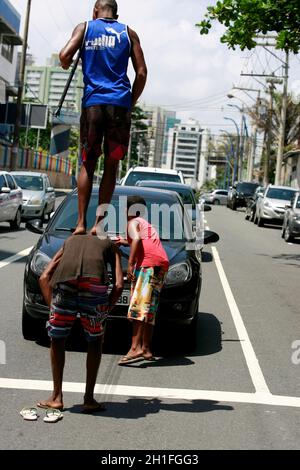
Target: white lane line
<point>153,392</point>
<point>249,353</point>
<point>13,259</point>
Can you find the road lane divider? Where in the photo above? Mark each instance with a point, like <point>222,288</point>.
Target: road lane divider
<point>255,371</point>
<point>14,258</point>
<point>155,392</point>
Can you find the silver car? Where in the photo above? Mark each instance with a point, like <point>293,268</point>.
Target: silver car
<point>10,200</point>
<point>271,206</point>
<point>38,194</point>
<point>291,221</point>
<point>216,197</point>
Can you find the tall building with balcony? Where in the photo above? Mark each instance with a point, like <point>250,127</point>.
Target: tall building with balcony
<point>9,39</point>
<point>45,84</point>
<point>188,146</point>
<point>156,120</point>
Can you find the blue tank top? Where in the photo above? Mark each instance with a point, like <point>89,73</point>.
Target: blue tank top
<point>105,58</point>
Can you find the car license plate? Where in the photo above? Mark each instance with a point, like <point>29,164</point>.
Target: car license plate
<point>125,298</point>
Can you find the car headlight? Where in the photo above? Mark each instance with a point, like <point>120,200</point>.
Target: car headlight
<point>179,274</point>
<point>36,202</point>
<point>39,263</point>
<point>267,204</point>
<point>297,217</point>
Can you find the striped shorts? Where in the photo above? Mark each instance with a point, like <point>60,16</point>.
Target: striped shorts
<point>83,298</point>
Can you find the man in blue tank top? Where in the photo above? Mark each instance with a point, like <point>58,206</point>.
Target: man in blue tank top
<point>106,47</point>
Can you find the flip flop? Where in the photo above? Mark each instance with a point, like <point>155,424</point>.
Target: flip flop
<point>29,414</point>
<point>130,359</point>
<point>53,415</point>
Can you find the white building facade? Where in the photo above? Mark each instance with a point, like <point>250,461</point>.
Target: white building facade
<point>188,147</point>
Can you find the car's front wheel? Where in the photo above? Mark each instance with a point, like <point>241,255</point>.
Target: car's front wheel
<point>287,234</point>
<point>216,202</point>
<point>16,223</point>
<point>32,328</point>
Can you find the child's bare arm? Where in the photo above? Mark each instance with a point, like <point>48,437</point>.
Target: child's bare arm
<point>45,278</point>
<point>133,229</point>
<point>118,281</point>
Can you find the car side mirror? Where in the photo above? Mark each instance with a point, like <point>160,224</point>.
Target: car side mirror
<point>207,208</point>
<point>5,190</point>
<point>50,190</point>
<point>35,226</point>
<point>210,237</point>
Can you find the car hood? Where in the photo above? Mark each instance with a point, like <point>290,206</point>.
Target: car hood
<point>50,244</point>
<point>27,194</point>
<point>278,202</point>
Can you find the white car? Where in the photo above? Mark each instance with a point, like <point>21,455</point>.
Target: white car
<point>38,194</point>
<point>11,198</point>
<point>140,173</point>
<point>270,207</point>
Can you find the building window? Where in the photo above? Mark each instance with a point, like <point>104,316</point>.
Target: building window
<point>7,50</point>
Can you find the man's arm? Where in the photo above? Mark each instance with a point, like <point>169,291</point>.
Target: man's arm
<point>139,65</point>
<point>74,44</point>
<point>45,278</point>
<point>118,281</point>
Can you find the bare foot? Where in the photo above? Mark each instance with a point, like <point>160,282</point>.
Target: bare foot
<point>93,231</point>
<point>92,406</point>
<point>80,230</point>
<point>51,403</point>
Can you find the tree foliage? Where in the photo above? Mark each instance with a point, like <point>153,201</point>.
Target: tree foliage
<point>244,19</point>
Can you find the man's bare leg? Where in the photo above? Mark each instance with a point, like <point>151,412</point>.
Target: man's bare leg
<point>147,340</point>
<point>57,354</point>
<point>107,186</point>
<point>92,366</point>
<point>85,185</point>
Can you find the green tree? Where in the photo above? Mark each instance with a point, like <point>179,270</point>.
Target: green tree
<point>32,138</point>
<point>244,19</point>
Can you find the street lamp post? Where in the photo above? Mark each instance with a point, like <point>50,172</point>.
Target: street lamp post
<point>241,142</point>
<point>236,160</point>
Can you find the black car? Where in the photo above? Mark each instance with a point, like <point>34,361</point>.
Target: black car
<point>180,296</point>
<point>241,192</point>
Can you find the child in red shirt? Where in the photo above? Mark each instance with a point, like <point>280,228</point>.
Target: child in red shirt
<point>147,267</point>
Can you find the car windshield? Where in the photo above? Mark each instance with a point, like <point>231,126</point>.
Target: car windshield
<point>246,187</point>
<point>136,176</point>
<point>165,216</point>
<point>279,193</point>
<point>31,183</point>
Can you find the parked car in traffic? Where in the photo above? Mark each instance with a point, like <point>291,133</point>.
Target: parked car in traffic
<point>241,191</point>
<point>216,197</point>
<point>251,203</point>
<point>270,207</point>
<point>11,198</point>
<point>180,296</point>
<point>140,173</point>
<point>291,219</point>
<point>38,194</point>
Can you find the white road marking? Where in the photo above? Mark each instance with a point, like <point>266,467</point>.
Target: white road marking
<point>153,392</point>
<point>13,259</point>
<point>249,353</point>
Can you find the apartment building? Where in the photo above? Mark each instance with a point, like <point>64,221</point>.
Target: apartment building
<point>45,84</point>
<point>10,21</point>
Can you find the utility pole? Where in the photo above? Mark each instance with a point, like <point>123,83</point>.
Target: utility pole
<point>269,136</point>
<point>15,147</point>
<point>278,174</point>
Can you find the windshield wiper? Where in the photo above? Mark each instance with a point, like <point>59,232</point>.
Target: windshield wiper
<point>64,229</point>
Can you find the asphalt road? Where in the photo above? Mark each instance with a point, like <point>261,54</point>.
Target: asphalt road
<point>238,389</point>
